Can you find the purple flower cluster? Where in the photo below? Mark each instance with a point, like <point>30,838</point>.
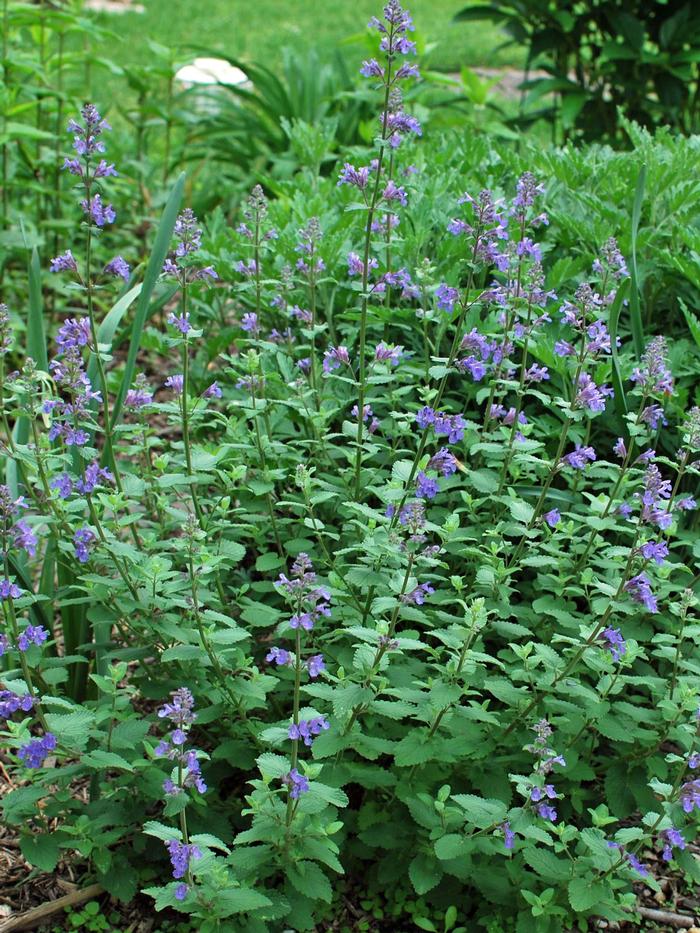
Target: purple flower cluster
<point>690,796</point>
<point>35,752</point>
<point>553,517</point>
<point>94,476</point>
<point>181,857</point>
<point>539,790</point>
<point>297,783</point>
<point>426,486</point>
<point>591,396</point>
<point>334,358</point>
<point>139,396</point>
<point>5,330</point>
<point>417,595</point>
<point>639,589</point>
<point>11,703</point>
<point>443,462</point>
<point>579,458</point>
<point>654,377</point>
<point>654,507</point>
<point>309,263</point>
<point>9,590</point>
<point>83,541</point>
<point>632,860</point>
<point>180,712</point>
<point>539,796</point>
<point>672,838</point>
<point>178,264</point>
<point>308,729</point>
<point>310,601</point>
<point>614,642</point>
<point>283,658</point>
<point>32,635</point>
<point>68,371</point>
<point>450,426</point>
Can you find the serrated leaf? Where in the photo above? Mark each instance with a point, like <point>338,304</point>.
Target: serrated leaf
<point>546,864</point>
<point>310,881</point>
<point>209,841</point>
<point>41,851</point>
<point>100,759</point>
<point>273,766</point>
<point>585,893</point>
<point>424,872</point>
<point>161,831</point>
<point>481,811</point>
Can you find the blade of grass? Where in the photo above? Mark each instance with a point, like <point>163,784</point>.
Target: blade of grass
<point>620,398</point>
<point>108,327</point>
<point>153,270</point>
<point>635,309</point>
<point>37,350</point>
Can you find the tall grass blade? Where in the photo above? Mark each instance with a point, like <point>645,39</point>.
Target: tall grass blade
<point>613,321</point>
<point>635,310</point>
<point>37,350</point>
<point>153,270</point>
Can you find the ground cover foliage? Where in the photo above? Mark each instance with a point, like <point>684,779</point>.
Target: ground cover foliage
<point>351,530</point>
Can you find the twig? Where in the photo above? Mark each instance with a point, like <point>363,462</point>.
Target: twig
<point>682,921</point>
<point>32,918</point>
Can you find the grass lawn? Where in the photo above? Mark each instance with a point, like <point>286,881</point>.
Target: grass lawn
<point>257,29</point>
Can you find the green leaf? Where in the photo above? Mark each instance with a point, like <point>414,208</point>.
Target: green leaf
<point>521,511</point>
<point>41,851</point>
<point>161,831</point>
<point>691,320</point>
<point>618,386</point>
<point>273,766</point>
<point>231,901</point>
<point>310,881</point>
<point>424,873</point>
<point>183,653</point>
<point>332,795</point>
<point>36,337</point>
<point>71,729</point>
<point>546,864</point>
<point>100,759</point>
<point>129,734</point>
<point>209,841</point>
<point>450,846</point>
<point>584,893</point>
<point>480,811</point>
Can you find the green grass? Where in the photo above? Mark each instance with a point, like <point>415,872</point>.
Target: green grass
<point>257,29</point>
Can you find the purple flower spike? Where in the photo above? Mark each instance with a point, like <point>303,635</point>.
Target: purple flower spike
<point>580,457</point>
<point>614,642</point>
<point>446,297</point>
<point>176,383</point>
<point>296,783</point>
<point>32,635</point>
<point>64,263</point>
<point>639,588</point>
<point>83,541</point>
<point>35,752</point>
<point>118,267</point>
<point>553,517</point>
<point>426,487</point>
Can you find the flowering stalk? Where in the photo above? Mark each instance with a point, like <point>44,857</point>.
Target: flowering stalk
<point>393,44</point>
<point>291,804</point>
